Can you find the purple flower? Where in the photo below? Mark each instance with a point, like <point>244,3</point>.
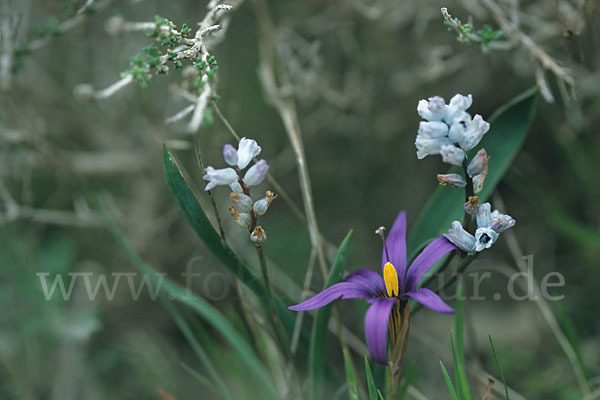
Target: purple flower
<point>397,285</point>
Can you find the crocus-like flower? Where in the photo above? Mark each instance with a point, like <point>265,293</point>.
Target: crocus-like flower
<point>489,226</point>
<point>388,295</point>
<point>216,177</point>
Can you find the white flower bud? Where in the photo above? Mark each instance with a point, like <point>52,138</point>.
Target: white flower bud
<point>461,238</point>
<point>243,219</point>
<point>458,104</point>
<point>485,238</point>
<point>433,109</point>
<point>258,235</point>
<point>478,164</point>
<point>433,130</point>
<point>256,174</point>
<point>217,177</point>
<point>230,155</point>
<point>247,150</point>
<point>242,202</point>
<point>452,154</point>
<point>478,181</point>
<point>261,206</point>
<point>501,222</point>
<point>454,180</point>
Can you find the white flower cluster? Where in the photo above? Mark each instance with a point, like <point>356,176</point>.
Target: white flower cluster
<point>246,211</point>
<point>448,129</point>
<point>489,226</point>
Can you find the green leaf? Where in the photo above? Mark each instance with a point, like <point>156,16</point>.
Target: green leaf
<point>508,129</point>
<point>210,314</point>
<point>459,322</point>
<point>204,381</point>
<point>187,201</point>
<point>350,377</point>
<point>448,382</point>
<point>318,338</point>
<point>408,377</point>
<point>458,352</point>
<point>499,368</point>
<point>370,381</point>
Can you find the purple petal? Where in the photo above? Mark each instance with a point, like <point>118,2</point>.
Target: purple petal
<point>376,328</point>
<point>368,279</point>
<point>396,246</point>
<point>425,260</point>
<point>343,290</point>
<point>431,300</point>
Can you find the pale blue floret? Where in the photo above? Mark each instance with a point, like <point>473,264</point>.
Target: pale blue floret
<point>433,109</point>
<point>256,174</point>
<point>433,129</point>
<point>242,202</point>
<point>501,222</point>
<point>452,154</point>
<point>489,226</point>
<point>427,146</point>
<point>247,150</point>
<point>230,155</point>
<point>218,177</point>
<point>460,237</point>
<point>458,104</point>
<point>478,164</point>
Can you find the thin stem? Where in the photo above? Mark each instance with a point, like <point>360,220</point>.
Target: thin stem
<point>469,192</point>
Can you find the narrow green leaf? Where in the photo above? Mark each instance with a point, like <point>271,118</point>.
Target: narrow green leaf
<point>350,377</point>
<point>187,201</point>
<point>204,381</point>
<point>462,384</point>
<point>318,338</point>
<point>451,389</point>
<point>370,381</point>
<point>508,129</point>
<point>459,323</point>
<point>380,395</point>
<point>206,311</point>
<point>499,368</point>
<point>570,332</point>
<point>220,388</point>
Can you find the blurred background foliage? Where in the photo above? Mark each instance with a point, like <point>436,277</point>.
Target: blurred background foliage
<point>358,69</point>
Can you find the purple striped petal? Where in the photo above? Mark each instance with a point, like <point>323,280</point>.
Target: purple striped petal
<point>425,260</point>
<point>396,246</point>
<point>431,300</point>
<point>344,290</point>
<point>376,328</point>
<point>368,279</point>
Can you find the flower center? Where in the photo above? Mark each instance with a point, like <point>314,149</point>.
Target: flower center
<point>484,239</point>
<point>390,276</point>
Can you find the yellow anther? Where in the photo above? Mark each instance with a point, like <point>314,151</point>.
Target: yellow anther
<point>390,276</point>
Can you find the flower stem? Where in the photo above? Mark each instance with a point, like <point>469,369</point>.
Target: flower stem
<point>469,192</point>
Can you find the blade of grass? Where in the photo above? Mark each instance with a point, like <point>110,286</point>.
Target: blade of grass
<point>206,311</point>
<point>318,339</point>
<point>451,389</point>
<point>204,381</point>
<point>370,381</point>
<point>350,376</point>
<point>499,368</point>
<point>458,351</point>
